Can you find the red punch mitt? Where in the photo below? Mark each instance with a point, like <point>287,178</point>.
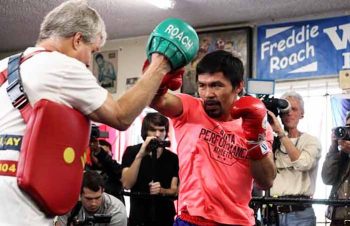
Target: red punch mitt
<point>172,80</point>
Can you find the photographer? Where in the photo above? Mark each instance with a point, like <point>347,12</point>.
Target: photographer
<point>106,166</point>
<point>335,172</point>
<point>296,157</point>
<point>96,207</point>
<point>152,172</point>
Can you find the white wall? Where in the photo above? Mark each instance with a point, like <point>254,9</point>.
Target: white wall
<point>131,56</point>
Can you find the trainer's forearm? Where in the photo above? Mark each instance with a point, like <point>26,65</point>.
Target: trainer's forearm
<point>120,113</point>
<point>137,98</point>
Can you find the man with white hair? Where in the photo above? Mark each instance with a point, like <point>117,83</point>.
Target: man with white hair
<point>296,157</point>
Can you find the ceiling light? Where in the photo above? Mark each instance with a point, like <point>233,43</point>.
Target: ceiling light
<point>163,4</point>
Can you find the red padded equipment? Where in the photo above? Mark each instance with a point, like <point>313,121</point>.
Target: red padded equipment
<point>53,155</point>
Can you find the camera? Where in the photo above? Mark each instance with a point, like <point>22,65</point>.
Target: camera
<point>342,132</point>
<point>97,133</point>
<point>275,105</point>
<point>94,219</point>
<point>156,143</point>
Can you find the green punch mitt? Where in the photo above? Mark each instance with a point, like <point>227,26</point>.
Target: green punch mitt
<point>175,39</point>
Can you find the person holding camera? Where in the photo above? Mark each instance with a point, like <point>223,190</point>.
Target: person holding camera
<point>151,172</point>
<point>95,206</point>
<point>106,166</point>
<point>296,157</point>
<point>223,144</point>
<point>336,172</point>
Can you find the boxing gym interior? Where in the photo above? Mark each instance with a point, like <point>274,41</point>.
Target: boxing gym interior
<point>285,45</point>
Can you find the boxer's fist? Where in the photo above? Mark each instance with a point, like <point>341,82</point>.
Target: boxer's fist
<point>254,123</point>
<point>176,40</point>
<point>172,80</point>
<point>254,114</point>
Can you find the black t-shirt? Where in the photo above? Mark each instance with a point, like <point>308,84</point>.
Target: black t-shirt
<point>167,167</point>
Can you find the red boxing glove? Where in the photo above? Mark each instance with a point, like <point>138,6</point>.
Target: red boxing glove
<point>254,123</point>
<point>172,80</point>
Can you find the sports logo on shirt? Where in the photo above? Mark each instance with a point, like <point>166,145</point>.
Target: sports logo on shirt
<point>223,147</point>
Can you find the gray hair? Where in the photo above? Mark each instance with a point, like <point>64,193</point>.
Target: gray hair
<point>71,17</point>
<point>296,96</point>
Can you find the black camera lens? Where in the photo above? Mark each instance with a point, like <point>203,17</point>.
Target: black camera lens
<point>95,132</point>
<point>276,106</point>
<point>342,132</point>
<point>155,143</point>
<point>284,106</point>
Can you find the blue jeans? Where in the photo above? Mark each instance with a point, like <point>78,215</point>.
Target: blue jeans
<point>299,218</point>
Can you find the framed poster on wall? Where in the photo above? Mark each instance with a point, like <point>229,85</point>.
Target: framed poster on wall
<point>105,67</point>
<point>235,40</point>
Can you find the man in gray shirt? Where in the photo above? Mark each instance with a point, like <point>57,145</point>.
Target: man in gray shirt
<point>96,207</point>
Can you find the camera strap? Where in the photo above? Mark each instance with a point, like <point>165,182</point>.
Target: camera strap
<point>74,213</point>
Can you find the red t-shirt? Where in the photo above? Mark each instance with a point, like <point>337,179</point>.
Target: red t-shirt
<point>215,179</point>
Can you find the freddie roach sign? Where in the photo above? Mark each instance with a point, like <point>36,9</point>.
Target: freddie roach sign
<point>303,49</point>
